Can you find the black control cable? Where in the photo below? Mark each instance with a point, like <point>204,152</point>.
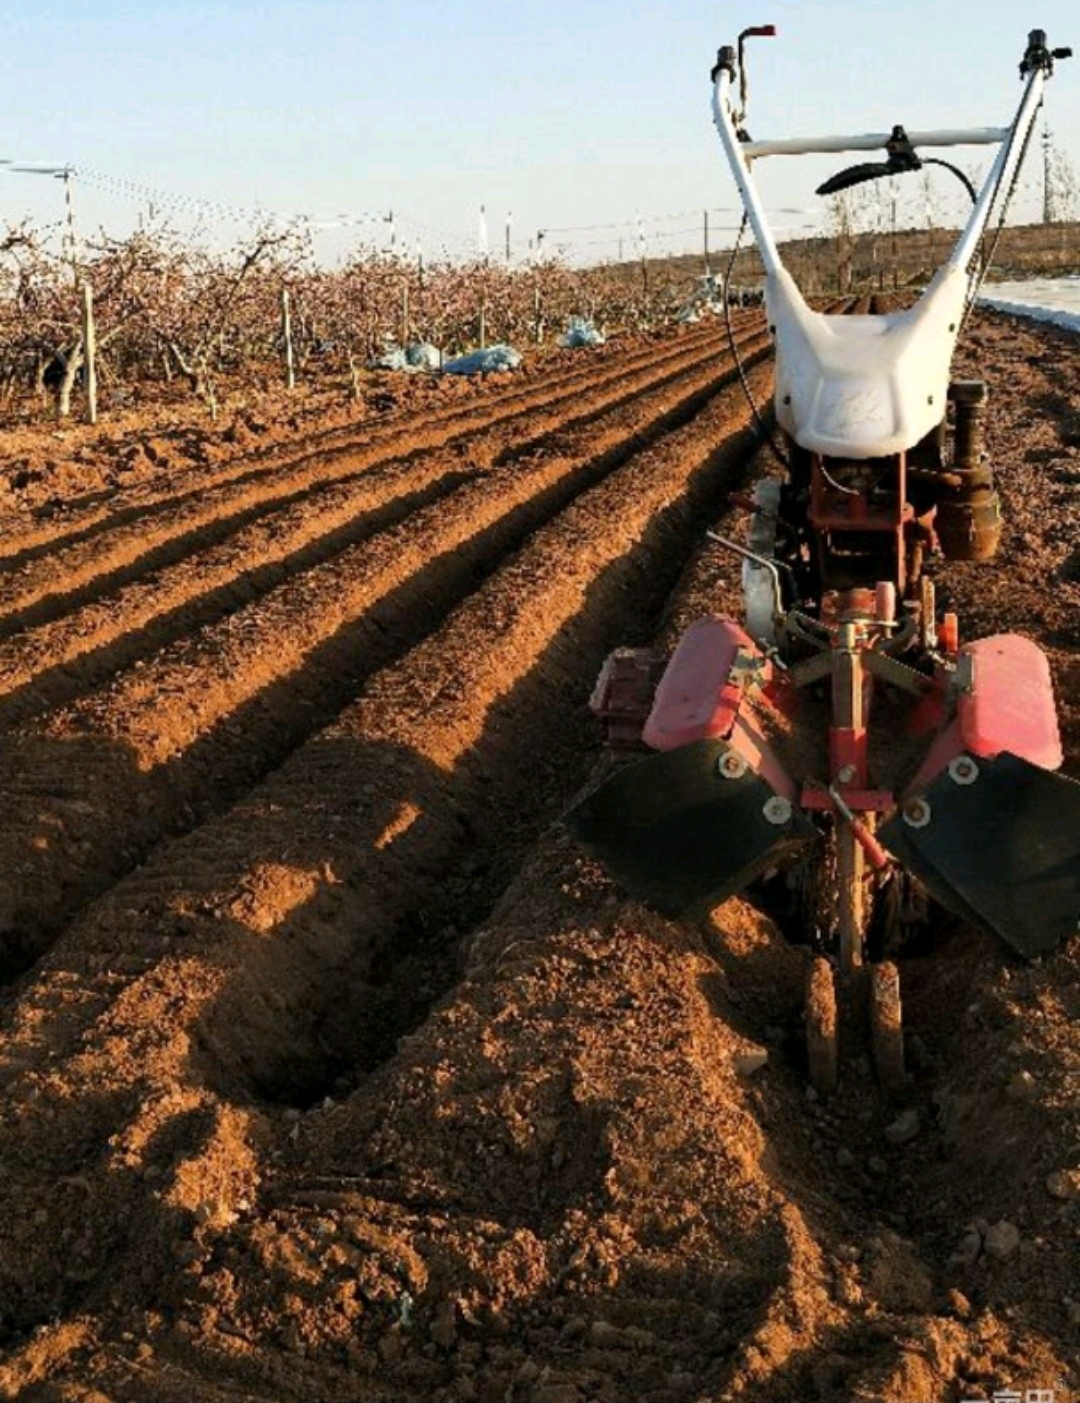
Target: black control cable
<point>762,428</point>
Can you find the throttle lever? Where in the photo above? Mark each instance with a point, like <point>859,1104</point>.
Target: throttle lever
<point>755,31</point>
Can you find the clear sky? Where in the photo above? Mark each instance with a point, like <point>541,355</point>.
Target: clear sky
<point>566,114</point>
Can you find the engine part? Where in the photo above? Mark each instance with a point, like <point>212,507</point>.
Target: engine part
<point>968,520</point>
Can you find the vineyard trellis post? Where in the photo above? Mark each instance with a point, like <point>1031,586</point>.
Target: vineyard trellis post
<point>705,238</point>
<point>644,317</point>
<point>354,374</point>
<point>69,206</point>
<point>89,352</point>
<point>287,337</point>
<point>538,320</point>
<point>405,307</point>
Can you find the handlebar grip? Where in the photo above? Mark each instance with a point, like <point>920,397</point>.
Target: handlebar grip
<point>855,175</point>
<point>762,31</point>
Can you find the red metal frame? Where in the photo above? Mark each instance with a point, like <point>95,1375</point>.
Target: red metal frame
<point>832,510</point>
<point>861,801</point>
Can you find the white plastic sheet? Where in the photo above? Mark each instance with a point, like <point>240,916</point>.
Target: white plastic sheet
<point>493,358</point>
<point>418,355</point>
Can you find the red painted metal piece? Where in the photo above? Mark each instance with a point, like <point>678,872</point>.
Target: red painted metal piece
<point>755,751</point>
<point>948,745</point>
<point>831,510</point>
<point>875,853</point>
<point>866,801</point>
<point>697,698</point>
<point>848,749</point>
<point>932,708</point>
<point>1010,707</point>
<point>623,695</point>
<point>949,633</point>
<point>702,697</point>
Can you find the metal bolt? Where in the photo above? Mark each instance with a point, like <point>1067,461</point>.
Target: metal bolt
<point>917,813</point>
<point>731,765</point>
<point>847,774</point>
<point>963,770</point>
<point>777,810</point>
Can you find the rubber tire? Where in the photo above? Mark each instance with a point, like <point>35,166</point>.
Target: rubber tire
<point>887,1028</point>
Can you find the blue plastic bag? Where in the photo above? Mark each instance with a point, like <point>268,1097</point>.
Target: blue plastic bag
<point>581,332</point>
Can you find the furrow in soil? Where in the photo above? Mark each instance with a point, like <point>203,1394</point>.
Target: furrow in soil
<point>208,577</point>
<point>92,786</point>
<point>450,757</point>
<point>337,452</point>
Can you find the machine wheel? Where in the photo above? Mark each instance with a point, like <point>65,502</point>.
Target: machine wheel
<point>822,1026</point>
<point>887,1028</point>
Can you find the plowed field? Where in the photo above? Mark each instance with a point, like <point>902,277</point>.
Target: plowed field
<point>331,1070</point>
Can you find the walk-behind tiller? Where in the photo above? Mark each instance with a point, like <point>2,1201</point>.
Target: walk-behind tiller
<point>951,795</point>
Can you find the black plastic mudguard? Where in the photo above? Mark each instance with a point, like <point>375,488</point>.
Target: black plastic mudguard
<point>1002,850</point>
<point>681,835</point>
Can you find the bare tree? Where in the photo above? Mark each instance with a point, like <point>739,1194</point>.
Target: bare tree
<point>1063,196</point>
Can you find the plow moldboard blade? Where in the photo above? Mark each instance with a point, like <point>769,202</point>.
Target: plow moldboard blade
<point>1002,851</point>
<point>680,835</point>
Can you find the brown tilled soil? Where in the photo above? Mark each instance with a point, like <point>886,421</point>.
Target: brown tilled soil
<point>331,1070</point>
